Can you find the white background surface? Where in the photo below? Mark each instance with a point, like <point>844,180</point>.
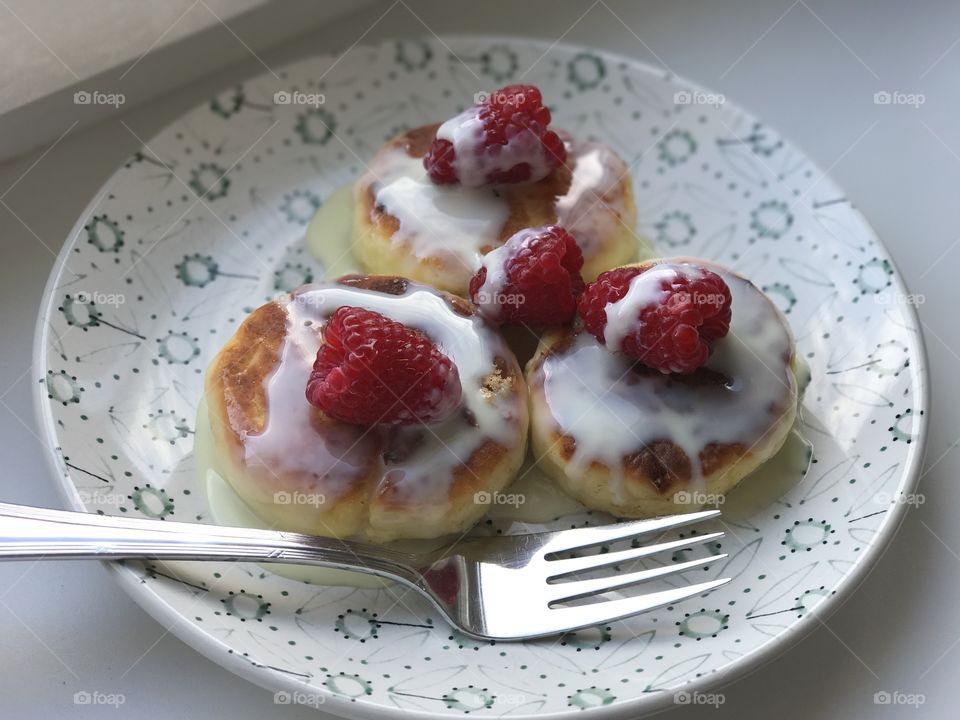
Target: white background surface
<point>73,47</point>
<point>133,51</point>
<point>810,68</point>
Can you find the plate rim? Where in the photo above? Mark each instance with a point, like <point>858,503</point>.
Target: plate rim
<point>219,652</point>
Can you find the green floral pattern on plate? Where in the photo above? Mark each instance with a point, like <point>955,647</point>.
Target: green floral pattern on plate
<point>208,222</point>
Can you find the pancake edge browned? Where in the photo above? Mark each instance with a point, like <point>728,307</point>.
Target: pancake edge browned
<point>236,397</point>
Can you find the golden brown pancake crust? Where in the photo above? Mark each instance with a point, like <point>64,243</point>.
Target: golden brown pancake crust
<point>531,204</point>
<point>651,475</point>
<point>241,366</point>
<point>238,407</point>
<point>528,205</point>
<point>662,464</point>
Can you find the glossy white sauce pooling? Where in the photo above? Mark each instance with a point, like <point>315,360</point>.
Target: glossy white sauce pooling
<point>542,501</point>
<point>329,235</point>
<point>229,510</point>
<point>457,224</point>
<point>593,207</point>
<point>292,443</point>
<point>438,221</point>
<point>645,289</point>
<point>611,411</point>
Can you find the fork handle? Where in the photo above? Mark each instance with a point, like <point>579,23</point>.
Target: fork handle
<point>31,533</point>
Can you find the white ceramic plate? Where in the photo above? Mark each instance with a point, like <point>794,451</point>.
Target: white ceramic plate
<point>207,222</point>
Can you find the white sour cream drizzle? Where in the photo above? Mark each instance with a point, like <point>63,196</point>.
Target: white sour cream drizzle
<point>457,224</point>
<point>611,411</point>
<point>593,207</point>
<point>438,221</point>
<point>326,457</point>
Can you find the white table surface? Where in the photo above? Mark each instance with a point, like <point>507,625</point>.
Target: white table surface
<point>809,68</point>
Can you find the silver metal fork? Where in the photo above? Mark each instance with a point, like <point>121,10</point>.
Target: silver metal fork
<point>501,588</point>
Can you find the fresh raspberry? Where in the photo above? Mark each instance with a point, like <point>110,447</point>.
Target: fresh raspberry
<point>669,323</point>
<point>502,139</point>
<point>372,370</point>
<point>533,278</point>
<point>439,162</point>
